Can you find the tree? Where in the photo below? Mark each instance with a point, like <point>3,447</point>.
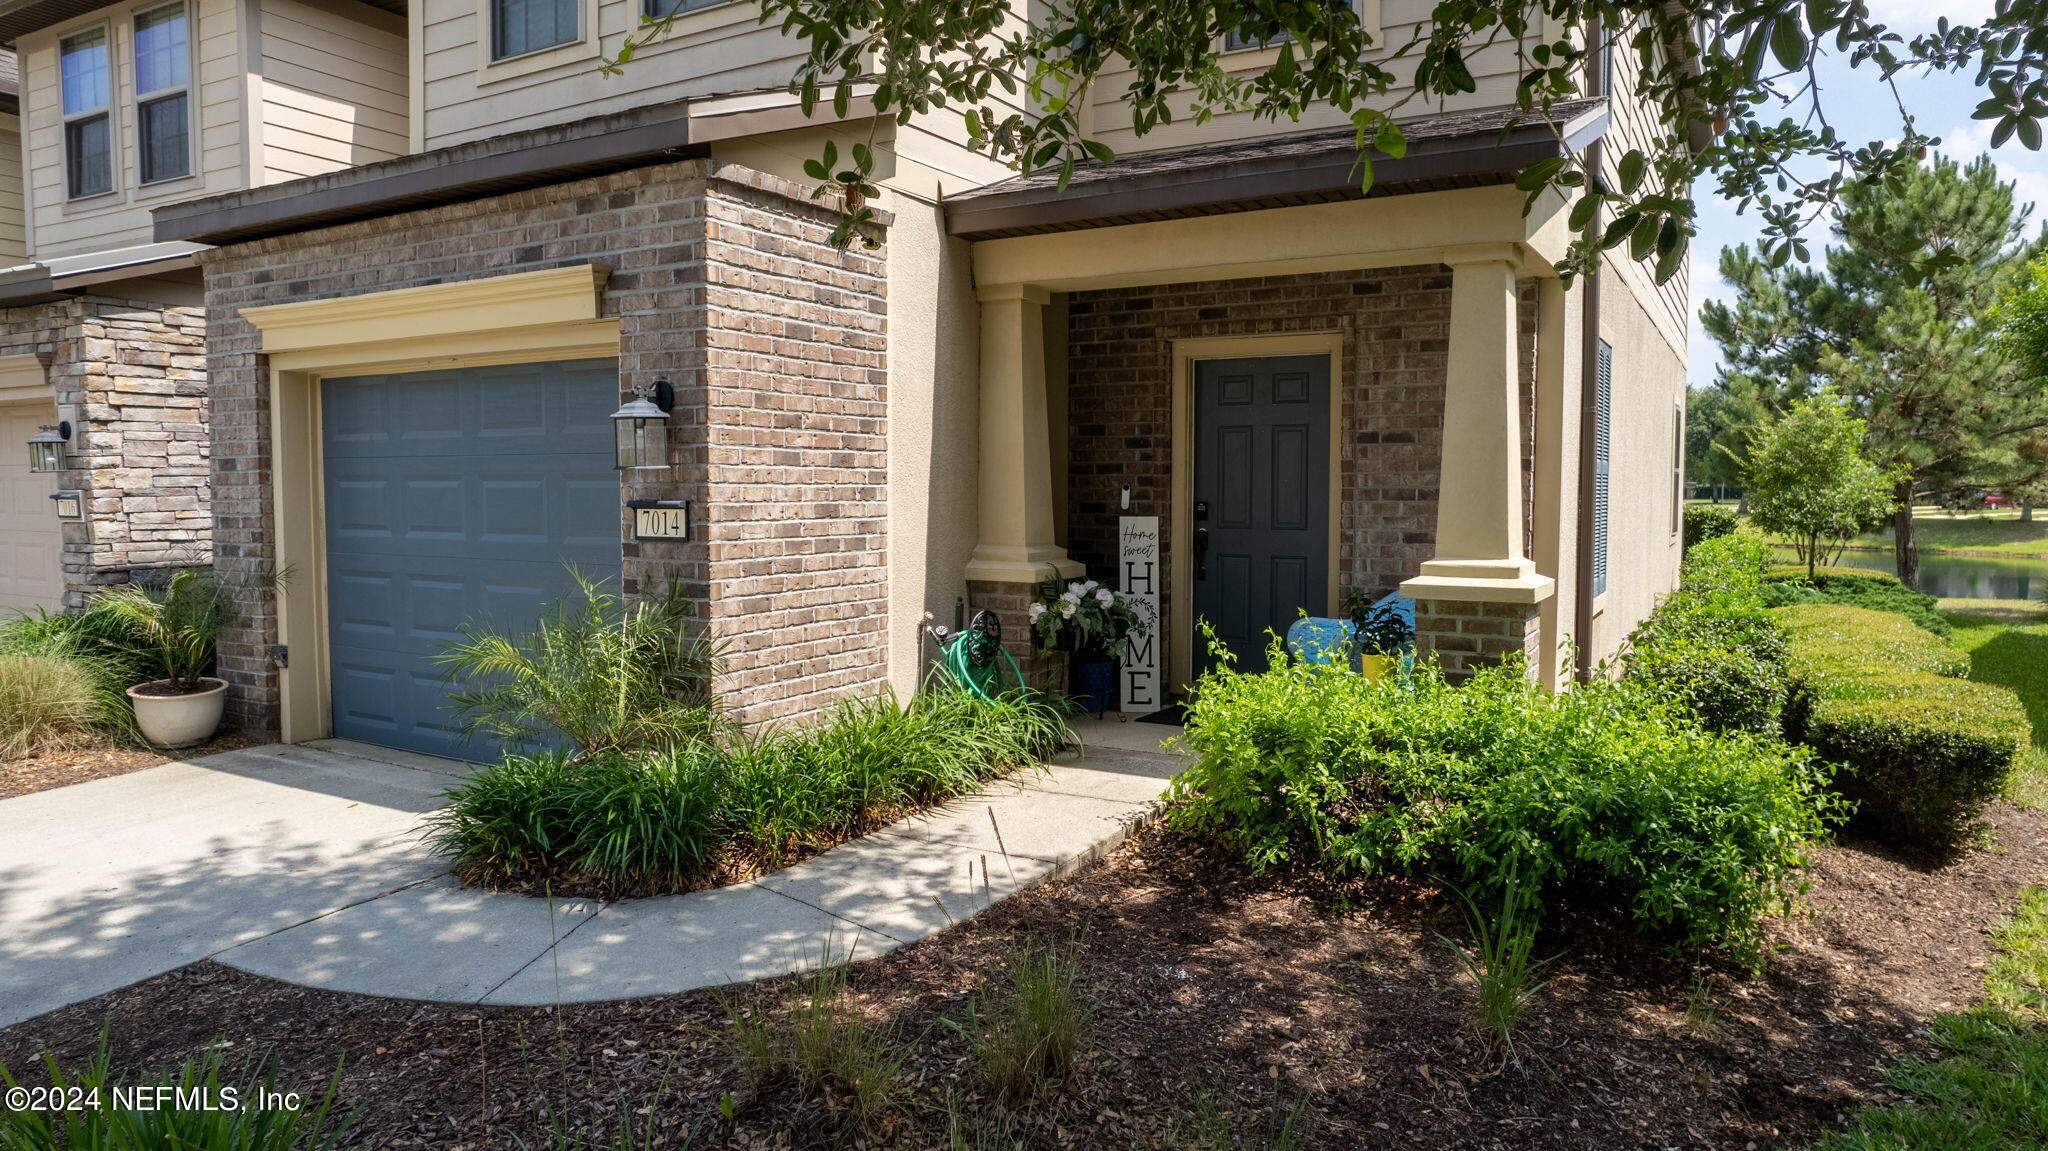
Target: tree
<point>1733,84</point>
<point>1807,479</point>
<point>1895,320</point>
<point>1708,418</point>
<point>2021,321</point>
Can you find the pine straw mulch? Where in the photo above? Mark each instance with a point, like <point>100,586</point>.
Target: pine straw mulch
<point>54,769</point>
<point>1201,985</point>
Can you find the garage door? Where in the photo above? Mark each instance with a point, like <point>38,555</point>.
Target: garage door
<point>31,543</point>
<point>452,497</point>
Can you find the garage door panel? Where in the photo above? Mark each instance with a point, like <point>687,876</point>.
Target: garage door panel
<point>433,527</point>
<point>31,537</point>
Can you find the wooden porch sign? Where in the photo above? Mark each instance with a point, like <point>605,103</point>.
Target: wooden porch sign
<point>1138,573</point>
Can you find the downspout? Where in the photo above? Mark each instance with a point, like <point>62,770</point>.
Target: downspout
<point>1589,354</point>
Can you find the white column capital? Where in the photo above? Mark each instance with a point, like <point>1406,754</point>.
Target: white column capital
<point>1504,252</point>
<point>1028,293</point>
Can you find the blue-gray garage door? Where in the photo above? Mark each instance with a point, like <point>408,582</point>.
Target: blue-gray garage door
<point>456,496</point>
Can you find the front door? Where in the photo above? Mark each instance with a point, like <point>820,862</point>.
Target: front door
<point>1261,515</point>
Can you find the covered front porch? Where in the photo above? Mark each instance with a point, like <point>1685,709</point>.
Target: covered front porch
<point>1372,394</point>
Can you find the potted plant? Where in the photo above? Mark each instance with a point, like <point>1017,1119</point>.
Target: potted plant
<point>1380,632</point>
<point>179,623</point>
<point>1088,621</point>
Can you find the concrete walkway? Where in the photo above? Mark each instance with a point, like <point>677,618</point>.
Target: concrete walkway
<point>302,864</point>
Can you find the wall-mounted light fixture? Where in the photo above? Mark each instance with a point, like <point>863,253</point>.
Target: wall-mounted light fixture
<point>642,426</point>
<point>46,447</point>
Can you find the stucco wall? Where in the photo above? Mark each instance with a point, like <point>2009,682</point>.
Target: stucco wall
<point>1643,550</point>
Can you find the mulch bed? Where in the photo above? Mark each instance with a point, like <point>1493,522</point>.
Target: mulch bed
<point>76,765</point>
<point>1201,985</point>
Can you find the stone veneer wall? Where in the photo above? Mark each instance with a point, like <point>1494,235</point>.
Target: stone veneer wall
<point>1395,326</point>
<point>135,375</point>
<point>724,283</point>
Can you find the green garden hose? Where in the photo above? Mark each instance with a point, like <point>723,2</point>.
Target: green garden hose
<point>975,658</point>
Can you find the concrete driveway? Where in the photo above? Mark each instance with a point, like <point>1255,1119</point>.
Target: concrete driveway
<point>112,881</point>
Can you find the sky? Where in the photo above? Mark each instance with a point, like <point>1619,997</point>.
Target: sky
<point>1863,109</point>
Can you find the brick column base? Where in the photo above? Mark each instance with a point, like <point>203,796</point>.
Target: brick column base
<point>1467,635</point>
<point>1044,671</point>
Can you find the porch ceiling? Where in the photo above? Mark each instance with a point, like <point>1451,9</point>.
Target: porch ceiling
<point>1444,153</point>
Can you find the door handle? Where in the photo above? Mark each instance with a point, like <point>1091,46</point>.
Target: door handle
<point>1201,553</point>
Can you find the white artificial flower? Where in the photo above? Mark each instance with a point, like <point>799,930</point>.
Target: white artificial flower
<point>1105,597</point>
<point>1088,586</point>
<point>1070,596</point>
<point>1067,608</point>
<point>1037,609</point>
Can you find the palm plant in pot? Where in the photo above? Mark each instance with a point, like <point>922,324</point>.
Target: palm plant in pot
<point>1088,621</point>
<point>179,626</point>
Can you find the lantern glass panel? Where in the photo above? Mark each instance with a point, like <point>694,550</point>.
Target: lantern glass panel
<point>652,437</point>
<point>44,456</point>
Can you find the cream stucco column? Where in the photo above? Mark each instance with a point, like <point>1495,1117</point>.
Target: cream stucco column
<point>1016,543</point>
<point>1479,554</point>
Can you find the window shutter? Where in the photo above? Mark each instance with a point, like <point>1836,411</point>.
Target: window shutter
<point>1603,418</point>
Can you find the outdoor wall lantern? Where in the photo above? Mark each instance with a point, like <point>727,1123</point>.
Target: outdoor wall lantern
<point>642,426</point>
<point>46,447</point>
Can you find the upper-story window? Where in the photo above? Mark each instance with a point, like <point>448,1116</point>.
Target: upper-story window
<point>87,85</point>
<point>163,102</point>
<point>522,26</point>
<point>1232,42</point>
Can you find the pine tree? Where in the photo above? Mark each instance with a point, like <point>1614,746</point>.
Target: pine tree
<point>1896,321</point>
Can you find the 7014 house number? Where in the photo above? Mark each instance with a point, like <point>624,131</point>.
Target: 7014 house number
<point>668,521</point>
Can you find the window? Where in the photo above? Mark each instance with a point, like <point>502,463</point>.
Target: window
<point>163,65</point>
<point>656,9</point>
<point>1603,419</point>
<point>88,134</point>
<point>1677,470</point>
<point>1233,42</point>
<point>522,26</point>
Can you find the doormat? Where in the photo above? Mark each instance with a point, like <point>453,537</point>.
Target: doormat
<point>1175,713</point>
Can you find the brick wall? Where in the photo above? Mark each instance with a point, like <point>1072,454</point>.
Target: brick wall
<point>133,374</point>
<point>1466,636</point>
<point>723,284</point>
<point>1394,323</point>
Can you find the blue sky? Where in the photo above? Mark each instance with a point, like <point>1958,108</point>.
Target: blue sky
<point>1862,109</point>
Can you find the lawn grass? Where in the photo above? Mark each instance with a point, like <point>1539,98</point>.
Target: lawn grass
<point>1989,1087</point>
<point>2008,644</point>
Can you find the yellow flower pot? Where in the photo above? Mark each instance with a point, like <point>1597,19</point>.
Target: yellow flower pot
<point>1375,666</point>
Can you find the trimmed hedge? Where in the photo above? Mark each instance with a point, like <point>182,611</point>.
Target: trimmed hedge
<point>1918,748</point>
<point>1712,646</point>
<point>1878,591</point>
<point>1831,576</point>
<point>1705,522</point>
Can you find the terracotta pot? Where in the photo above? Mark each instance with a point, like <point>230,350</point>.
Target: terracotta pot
<point>174,721</point>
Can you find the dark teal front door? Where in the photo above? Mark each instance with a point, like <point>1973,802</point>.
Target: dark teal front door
<point>451,497</point>
<point>1261,516</point>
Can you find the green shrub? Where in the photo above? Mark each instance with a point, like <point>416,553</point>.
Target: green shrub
<point>1601,795</point>
<point>1711,646</point>
<point>664,820</point>
<point>1917,748</point>
<point>1827,577</point>
<point>607,673</point>
<point>1705,522</point>
<point>1877,591</point>
<point>48,702</point>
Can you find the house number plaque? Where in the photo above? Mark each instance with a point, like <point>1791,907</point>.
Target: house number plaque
<point>661,519</point>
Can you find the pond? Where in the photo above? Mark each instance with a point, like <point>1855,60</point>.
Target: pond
<point>1957,577</point>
